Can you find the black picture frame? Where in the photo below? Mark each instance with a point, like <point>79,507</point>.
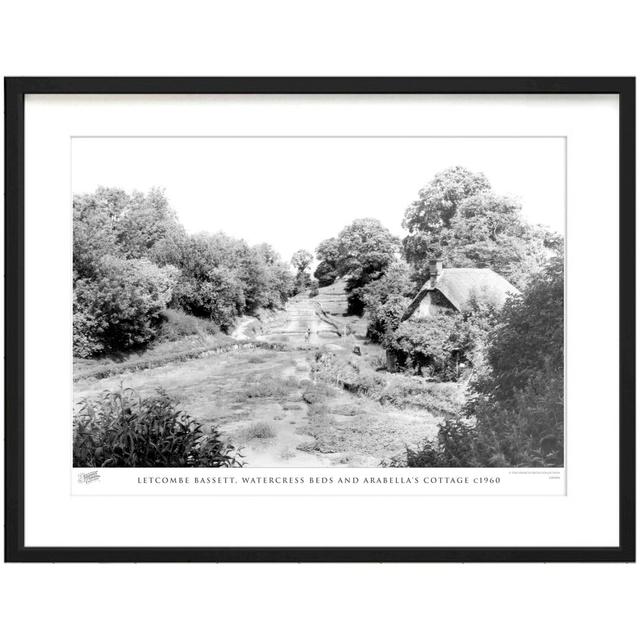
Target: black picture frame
<point>15,91</point>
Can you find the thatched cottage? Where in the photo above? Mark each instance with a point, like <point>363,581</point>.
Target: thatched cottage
<point>453,291</point>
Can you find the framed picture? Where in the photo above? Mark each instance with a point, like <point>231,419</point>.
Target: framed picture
<point>320,319</point>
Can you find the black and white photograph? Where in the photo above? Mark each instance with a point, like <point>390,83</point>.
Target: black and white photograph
<point>319,301</point>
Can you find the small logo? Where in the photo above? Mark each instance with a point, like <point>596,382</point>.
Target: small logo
<point>88,477</point>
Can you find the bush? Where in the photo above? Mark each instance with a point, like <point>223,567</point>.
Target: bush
<point>313,289</point>
<point>123,430</point>
<point>259,430</point>
<point>177,324</point>
<point>121,307</point>
<point>434,345</point>
<point>219,297</point>
<point>455,446</point>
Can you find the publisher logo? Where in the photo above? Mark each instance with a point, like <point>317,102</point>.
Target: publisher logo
<point>88,477</point>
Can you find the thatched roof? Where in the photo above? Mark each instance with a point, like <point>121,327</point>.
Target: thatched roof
<point>461,286</point>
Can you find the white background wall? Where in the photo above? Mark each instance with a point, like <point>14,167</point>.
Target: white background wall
<point>328,38</point>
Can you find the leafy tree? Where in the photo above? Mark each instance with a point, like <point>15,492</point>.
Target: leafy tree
<point>94,233</point>
<point>327,254</point>
<point>260,278</point>
<point>488,231</point>
<point>438,202</point>
<point>121,307</point>
<point>459,219</point>
<point>365,250</point>
<point>386,300</point>
<point>435,208</point>
<point>218,297</point>
<point>145,221</point>
<point>301,260</point>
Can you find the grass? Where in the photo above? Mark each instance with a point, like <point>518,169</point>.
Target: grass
<point>259,431</point>
<point>267,387</point>
<point>163,354</point>
<point>317,393</point>
<point>357,375</point>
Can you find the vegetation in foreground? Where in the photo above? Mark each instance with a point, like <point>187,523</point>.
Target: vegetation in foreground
<point>123,430</point>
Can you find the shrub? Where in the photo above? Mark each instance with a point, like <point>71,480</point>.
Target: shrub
<point>313,289</point>
<point>455,446</point>
<point>121,308</point>
<point>218,297</point>
<point>123,430</point>
<point>177,324</point>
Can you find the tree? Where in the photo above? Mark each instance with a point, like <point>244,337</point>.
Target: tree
<point>438,202</point>
<point>365,249</point>
<point>327,254</point>
<point>144,222</point>
<point>218,297</point>
<point>301,260</point>
<point>94,235</point>
<point>460,220</point>
<point>121,307</point>
<point>488,231</point>
<point>386,299</point>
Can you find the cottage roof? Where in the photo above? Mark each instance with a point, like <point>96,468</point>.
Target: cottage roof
<point>461,286</point>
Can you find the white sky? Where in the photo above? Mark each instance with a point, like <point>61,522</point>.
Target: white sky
<point>295,192</point>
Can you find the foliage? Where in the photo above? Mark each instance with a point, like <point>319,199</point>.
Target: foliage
<point>516,416</point>
<point>445,344</point>
<point>361,253</point>
<point>131,259</point>
<point>120,308</point>
<point>530,336</point>
<point>460,220</point>
<point>431,344</point>
<point>301,260</point>
<point>94,234</point>
<point>145,221</point>
<point>176,325</point>
<point>438,202</point>
<point>327,254</point>
<point>455,446</point>
<point>386,299</point>
<point>123,430</point>
<point>218,297</point>
<point>222,277</point>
